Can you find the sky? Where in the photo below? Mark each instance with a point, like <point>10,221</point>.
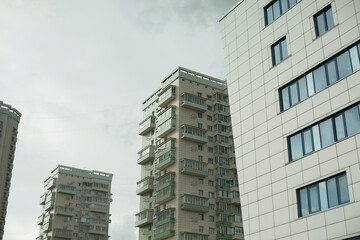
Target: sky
<point>78,71</point>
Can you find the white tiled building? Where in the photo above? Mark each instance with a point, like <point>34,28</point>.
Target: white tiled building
<point>294,87</point>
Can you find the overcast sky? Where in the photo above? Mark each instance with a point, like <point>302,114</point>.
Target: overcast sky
<point>78,71</point>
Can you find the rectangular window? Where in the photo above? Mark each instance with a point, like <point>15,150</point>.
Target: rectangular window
<point>323,20</point>
<point>279,51</point>
<point>328,131</point>
<point>322,195</point>
<point>277,8</point>
<point>320,77</point>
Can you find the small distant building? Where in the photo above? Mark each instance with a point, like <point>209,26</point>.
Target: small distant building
<point>75,205</point>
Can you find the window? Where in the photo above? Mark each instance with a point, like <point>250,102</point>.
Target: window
<point>200,158</point>
<point>210,150</point>
<point>199,115</point>
<point>211,230</point>
<point>210,139</point>
<point>318,78</point>
<point>201,229</point>
<point>322,195</point>
<point>201,193</point>
<point>211,195</point>
<point>208,97</point>
<point>201,217</point>
<point>279,51</point>
<point>199,125</point>
<point>201,181</point>
<point>200,147</point>
<point>210,183</point>
<point>209,128</point>
<point>209,118</point>
<point>210,160</point>
<point>199,94</point>
<point>209,107</point>
<point>211,171</point>
<point>211,206</point>
<point>328,131</point>
<point>277,8</point>
<point>323,20</point>
<point>211,218</point>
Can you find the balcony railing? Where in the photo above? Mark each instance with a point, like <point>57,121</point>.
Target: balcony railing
<point>68,189</point>
<point>40,219</point>
<point>167,95</point>
<point>164,231</point>
<point>194,203</point>
<point>194,134</point>
<point>221,98</point>
<point>165,159</point>
<point>165,194</point>
<point>62,233</point>
<point>193,102</point>
<point>194,167</point>
<point>145,185</point>
<point>166,127</point>
<point>165,180</point>
<point>51,184</point>
<point>168,112</point>
<point>99,208</point>
<point>165,216</point>
<point>147,125</point>
<point>221,109</point>
<point>49,204</point>
<point>146,154</point>
<point>144,218</point>
<point>42,199</point>
<point>65,211</point>
<point>194,236</point>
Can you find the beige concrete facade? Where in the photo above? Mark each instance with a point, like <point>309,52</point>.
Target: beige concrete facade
<point>75,205</point>
<point>9,121</point>
<point>182,199</point>
<point>281,179</point>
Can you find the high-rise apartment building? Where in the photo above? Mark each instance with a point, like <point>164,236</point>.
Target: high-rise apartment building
<point>188,187</point>
<point>294,89</point>
<point>9,121</point>
<point>75,205</point>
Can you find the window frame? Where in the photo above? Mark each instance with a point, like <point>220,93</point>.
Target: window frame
<point>323,13</point>
<point>319,202</point>
<point>279,43</point>
<point>281,10</point>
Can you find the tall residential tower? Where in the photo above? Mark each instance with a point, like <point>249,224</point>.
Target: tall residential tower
<point>188,188</point>
<point>75,205</point>
<point>9,121</point>
<point>294,89</point>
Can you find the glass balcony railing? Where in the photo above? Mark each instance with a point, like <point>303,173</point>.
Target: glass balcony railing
<point>194,203</point>
<point>194,236</point>
<point>68,189</point>
<point>221,98</point>
<point>221,109</point>
<point>146,154</point>
<point>193,102</point>
<point>49,204</point>
<point>65,211</point>
<point>167,95</point>
<point>165,194</point>
<point>40,219</point>
<point>194,134</point>
<point>42,199</point>
<point>147,125</point>
<point>194,167</point>
<point>162,116</point>
<point>166,127</point>
<point>144,218</point>
<point>62,233</point>
<point>164,231</point>
<point>51,184</point>
<point>165,181</point>
<point>99,208</point>
<point>165,159</point>
<point>145,185</point>
<point>165,216</point>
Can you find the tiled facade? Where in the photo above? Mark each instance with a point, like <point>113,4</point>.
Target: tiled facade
<point>75,205</point>
<point>270,177</point>
<point>188,188</point>
<point>9,122</point>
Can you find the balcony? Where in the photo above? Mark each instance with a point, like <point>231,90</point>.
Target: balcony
<point>221,98</point>
<point>168,112</point>
<point>194,203</point>
<point>166,127</point>
<point>194,134</point>
<point>65,211</point>
<point>62,188</point>
<point>165,194</point>
<point>194,236</point>
<point>165,216</point>
<point>147,125</point>
<point>167,95</point>
<point>145,155</point>
<point>42,199</point>
<point>40,219</point>
<point>222,109</point>
<point>49,204</point>
<point>164,231</point>
<point>62,233</point>
<point>144,218</point>
<point>99,208</point>
<point>165,181</point>
<point>145,185</point>
<point>193,102</point>
<point>194,168</point>
<point>51,184</point>
<point>98,230</point>
<point>164,159</point>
